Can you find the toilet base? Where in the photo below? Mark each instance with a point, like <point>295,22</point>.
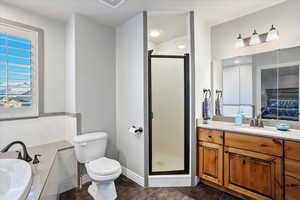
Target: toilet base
<point>103,190</point>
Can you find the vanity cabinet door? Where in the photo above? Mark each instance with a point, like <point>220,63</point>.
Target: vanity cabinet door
<point>210,158</point>
<point>292,179</point>
<point>292,188</point>
<point>255,175</point>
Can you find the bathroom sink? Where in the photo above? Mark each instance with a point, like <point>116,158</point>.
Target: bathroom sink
<point>256,130</point>
<point>15,179</point>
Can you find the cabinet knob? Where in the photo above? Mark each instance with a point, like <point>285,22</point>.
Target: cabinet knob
<point>209,136</point>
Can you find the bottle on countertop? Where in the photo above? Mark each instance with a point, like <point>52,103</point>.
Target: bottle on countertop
<point>239,118</point>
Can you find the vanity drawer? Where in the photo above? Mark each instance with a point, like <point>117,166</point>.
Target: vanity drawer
<point>212,136</point>
<point>254,143</point>
<point>292,150</point>
<point>292,168</point>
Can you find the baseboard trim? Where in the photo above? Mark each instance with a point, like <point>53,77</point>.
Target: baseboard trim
<point>133,176</point>
<point>197,180</point>
<point>170,181</point>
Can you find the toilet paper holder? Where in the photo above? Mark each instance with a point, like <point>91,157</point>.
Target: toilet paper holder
<point>135,130</point>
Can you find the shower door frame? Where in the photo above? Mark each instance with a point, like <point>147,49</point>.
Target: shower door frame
<point>186,58</point>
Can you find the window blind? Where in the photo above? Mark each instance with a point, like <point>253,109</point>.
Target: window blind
<point>15,71</point>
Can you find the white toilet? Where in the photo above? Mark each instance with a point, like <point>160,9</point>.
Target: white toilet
<point>90,150</point>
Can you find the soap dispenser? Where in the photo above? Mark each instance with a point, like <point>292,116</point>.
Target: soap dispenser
<point>238,119</point>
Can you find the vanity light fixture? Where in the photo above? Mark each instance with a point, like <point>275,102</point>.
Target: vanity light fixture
<point>255,39</point>
<point>240,42</point>
<point>154,33</point>
<point>272,34</point>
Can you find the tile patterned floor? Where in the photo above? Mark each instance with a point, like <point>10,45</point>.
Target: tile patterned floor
<point>128,190</point>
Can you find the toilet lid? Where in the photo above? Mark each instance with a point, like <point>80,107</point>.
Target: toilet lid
<point>104,166</point>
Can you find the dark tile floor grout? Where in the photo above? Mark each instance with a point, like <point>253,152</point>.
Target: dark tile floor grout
<point>129,190</point>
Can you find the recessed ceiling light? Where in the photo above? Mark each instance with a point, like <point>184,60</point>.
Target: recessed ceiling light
<point>237,62</point>
<point>181,46</point>
<point>112,3</point>
<point>154,33</point>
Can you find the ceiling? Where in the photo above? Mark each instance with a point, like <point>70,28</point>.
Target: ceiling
<point>170,26</point>
<point>213,11</point>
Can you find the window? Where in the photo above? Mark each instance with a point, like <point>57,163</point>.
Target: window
<point>18,71</point>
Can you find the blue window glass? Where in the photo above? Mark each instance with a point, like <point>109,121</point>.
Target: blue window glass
<point>15,71</point>
<point>11,37</point>
<point>15,52</point>
<point>2,90</point>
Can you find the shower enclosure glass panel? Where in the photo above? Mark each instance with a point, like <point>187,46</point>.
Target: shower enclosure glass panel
<point>168,108</point>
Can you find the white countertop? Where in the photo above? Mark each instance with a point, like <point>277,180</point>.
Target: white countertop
<point>267,131</point>
<point>42,170</point>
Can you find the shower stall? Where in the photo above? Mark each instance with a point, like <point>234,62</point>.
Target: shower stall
<point>169,114</point>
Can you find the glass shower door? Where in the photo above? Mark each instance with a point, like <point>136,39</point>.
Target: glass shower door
<point>169,114</point>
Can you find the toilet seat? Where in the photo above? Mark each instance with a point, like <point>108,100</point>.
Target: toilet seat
<point>103,169</point>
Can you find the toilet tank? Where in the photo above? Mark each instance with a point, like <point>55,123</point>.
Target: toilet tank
<point>90,146</point>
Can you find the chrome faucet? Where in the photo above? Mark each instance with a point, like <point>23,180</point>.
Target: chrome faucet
<point>26,157</point>
<point>257,122</point>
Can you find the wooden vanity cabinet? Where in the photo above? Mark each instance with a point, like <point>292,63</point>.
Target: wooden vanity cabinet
<point>292,170</point>
<point>253,165</point>
<point>253,174</point>
<point>210,162</point>
<point>210,155</point>
<point>245,165</point>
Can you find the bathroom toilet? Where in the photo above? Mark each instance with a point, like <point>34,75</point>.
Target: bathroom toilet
<point>90,150</point>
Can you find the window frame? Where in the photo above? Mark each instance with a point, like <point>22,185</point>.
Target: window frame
<point>37,74</point>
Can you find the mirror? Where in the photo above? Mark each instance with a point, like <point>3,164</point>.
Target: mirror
<point>265,84</point>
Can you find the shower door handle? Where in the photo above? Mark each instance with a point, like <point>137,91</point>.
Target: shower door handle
<point>151,115</point>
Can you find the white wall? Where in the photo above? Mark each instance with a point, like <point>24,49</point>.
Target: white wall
<point>202,61</point>
<point>284,16</point>
<point>130,93</point>
<point>41,130</point>
<point>70,66</point>
<point>37,131</point>
<point>151,46</point>
<point>79,73</point>
<point>91,76</point>
<point>54,73</point>
<point>223,36</point>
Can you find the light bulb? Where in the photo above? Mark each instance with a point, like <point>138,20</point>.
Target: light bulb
<point>255,39</point>
<point>240,42</point>
<point>272,34</point>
